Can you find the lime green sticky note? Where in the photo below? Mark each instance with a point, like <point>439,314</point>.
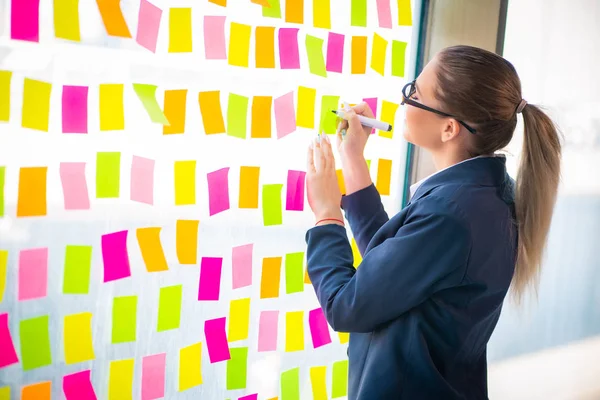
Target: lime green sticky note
<point>36,104</point>
<point>398,58</point>
<point>339,388</point>
<point>368,164</point>
<point>237,115</point>
<point>271,207</point>
<point>124,319</point>
<point>2,180</point>
<point>34,334</point>
<point>169,308</point>
<point>3,271</point>
<point>294,272</point>
<point>5,79</point>
<point>358,13</point>
<point>78,262</point>
<point>237,368</point>
<point>328,119</point>
<point>5,393</point>
<point>147,95</point>
<point>290,384</point>
<point>314,52</point>
<point>274,11</point>
<point>108,174</point>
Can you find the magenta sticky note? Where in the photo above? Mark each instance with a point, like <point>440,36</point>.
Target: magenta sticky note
<point>372,102</point>
<point>148,25</point>
<point>267,330</point>
<point>74,185</point>
<point>319,330</point>
<point>114,256</point>
<point>142,180</point>
<point>249,397</point>
<point>25,20</point>
<point>8,355</point>
<point>218,191</point>
<point>335,52</point>
<point>289,55</point>
<point>216,340</point>
<point>241,266</point>
<point>285,114</point>
<point>210,278</point>
<point>214,37</point>
<point>153,376</point>
<point>295,191</point>
<point>384,14</point>
<point>74,109</point>
<point>78,386</point>
<point>33,273</point>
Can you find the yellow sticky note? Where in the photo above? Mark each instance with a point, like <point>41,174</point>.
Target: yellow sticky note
<point>340,179</point>
<point>212,114</point>
<point>3,272</point>
<point>265,47</point>
<point>175,107</point>
<point>239,44</point>
<point>344,337</point>
<point>185,182</point>
<point>355,253</point>
<point>384,172</point>
<point>190,366</point>
<point>180,30</point>
<point>322,14</point>
<point>378,54</point>
<point>388,114</point>
<point>294,11</point>
<point>359,55</point>
<point>239,319</point>
<point>112,115</point>
<point>5,393</point>
<point>66,20</point>
<point>249,182</point>
<point>404,13</point>
<point>187,241</point>
<point>36,104</point>
<point>261,117</point>
<point>271,276</point>
<point>77,335</point>
<point>306,107</point>
<point>318,377</point>
<point>294,331</point>
<point>151,249</point>
<point>120,381</point>
<point>5,79</point>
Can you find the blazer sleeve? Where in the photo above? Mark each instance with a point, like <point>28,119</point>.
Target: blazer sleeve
<point>428,253</point>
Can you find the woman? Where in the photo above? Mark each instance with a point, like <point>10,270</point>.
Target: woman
<point>423,303</point>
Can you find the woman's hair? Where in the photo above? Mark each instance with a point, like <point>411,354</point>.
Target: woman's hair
<point>483,88</point>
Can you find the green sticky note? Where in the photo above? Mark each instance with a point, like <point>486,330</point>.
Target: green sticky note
<point>290,384</point>
<point>339,388</point>
<point>314,52</point>
<point>3,272</point>
<point>237,367</point>
<point>5,393</point>
<point>34,335</point>
<point>294,272</point>
<point>169,308</point>
<point>108,175</point>
<point>2,180</point>
<point>5,79</point>
<point>274,11</point>
<point>358,14</point>
<point>398,58</point>
<point>147,95</point>
<point>369,164</point>
<point>124,319</point>
<point>237,115</point>
<point>328,119</point>
<point>272,209</point>
<point>78,262</point>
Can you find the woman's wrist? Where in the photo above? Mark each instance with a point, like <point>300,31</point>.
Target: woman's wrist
<point>329,217</point>
<point>356,173</point>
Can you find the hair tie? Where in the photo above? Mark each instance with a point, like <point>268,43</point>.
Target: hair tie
<point>521,106</point>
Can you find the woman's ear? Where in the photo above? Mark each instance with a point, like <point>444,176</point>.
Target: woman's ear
<point>451,129</point>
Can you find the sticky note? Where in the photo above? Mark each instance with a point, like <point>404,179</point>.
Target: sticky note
<point>239,319</point>
<point>185,182</point>
<point>344,337</point>
<point>237,368</point>
<point>25,20</point>
<point>74,186</point>
<point>190,366</point>
<point>295,191</point>
<point>113,18</point>
<point>3,272</point>
<point>5,81</point>
<point>186,238</point>
<point>108,175</point>
<point>372,102</point>
<point>112,114</point>
<point>358,13</point>
<point>237,115</point>
<point>34,336</point>
<point>249,397</point>
<point>384,172</point>
<point>341,183</point>
<point>33,273</point>
<point>248,196</point>
<point>169,308</point>
<point>124,319</point>
<point>319,330</point>
<point>31,200</point>
<point>78,262</point>
<point>149,18</point>
<point>265,47</point>
<point>328,119</point>
<point>272,209</point>
<point>384,14</point>
<point>222,3</point>
<point>294,272</point>
<point>290,384</point>
<point>306,107</point>
<point>214,37</point>
<point>274,11</point>
<point>218,191</point>
<point>74,109</point>
<point>289,54</point>
<point>8,354</point>
<point>271,275</point>
<point>36,104</point>
<point>2,181</point>
<point>294,331</point>
<point>322,14</point>
<point>355,253</point>
<point>210,278</point>
<point>147,95</point>
<point>314,52</point>
<point>378,54</point>
<point>210,109</point>
<point>175,107</point>
<point>239,44</point>
<point>404,13</point>
<point>388,114</point>
<point>339,387</point>
<point>78,343</point>
<point>359,55</point>
<point>141,187</point>
<point>398,58</point>
<point>66,20</point>
<point>294,11</point>
<point>37,391</point>
<point>120,380</point>
<point>151,249</point>
<point>78,386</point>
<point>5,393</point>
<point>216,339</point>
<point>261,117</point>
<point>335,52</point>
<point>180,30</point>
<point>306,277</point>
<point>285,115</point>
<point>267,331</point>
<point>241,266</point>
<point>264,3</point>
<point>318,376</point>
<point>153,376</point>
<point>114,256</point>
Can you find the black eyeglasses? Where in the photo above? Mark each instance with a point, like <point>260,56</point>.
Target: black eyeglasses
<point>409,90</point>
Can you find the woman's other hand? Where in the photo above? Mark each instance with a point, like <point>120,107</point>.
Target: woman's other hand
<point>351,135</point>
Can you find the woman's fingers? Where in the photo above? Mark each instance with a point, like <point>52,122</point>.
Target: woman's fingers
<point>364,110</point>
<point>310,163</point>
<point>327,152</point>
<point>318,158</point>
<point>353,121</point>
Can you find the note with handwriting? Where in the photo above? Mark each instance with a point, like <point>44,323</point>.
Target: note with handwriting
<point>285,115</point>
<point>378,54</point>
<point>216,340</point>
<point>384,14</point>
<point>322,14</point>
<point>218,191</point>
<point>398,58</point>
<point>318,377</point>
<point>212,114</point>
<point>314,52</point>
<point>335,52</point>
<point>34,336</point>
<point>339,387</point>
<point>237,368</point>
<point>260,127</point>
<point>185,182</point>
<point>249,182</point>
<point>237,115</point>
<point>77,337</point>
<point>5,83</point>
<point>239,44</point>
<point>78,386</point>
<point>8,354</point>
<point>241,266</point>
<point>66,20</point>
<point>270,277</point>
<point>169,307</point>
<point>33,273</point>
<point>265,47</point>
<point>108,175</point>
<point>306,107</point>
<point>141,185</point>
<point>319,330</point>
<point>215,47</point>
<point>289,54</point>
<point>148,27</point>
<point>180,30</point>
<point>75,109</point>
<point>120,379</point>
<point>112,113</point>
<point>25,20</point>
<point>147,95</point>
<point>294,11</point>
<point>267,330</point>
<point>295,190</point>
<point>239,319</point>
<point>384,173</point>
<point>114,256</point>
<point>271,205</point>
<point>77,269</point>
<point>186,238</point>
<point>124,319</point>
<point>294,331</point>
<point>36,391</point>
<point>36,104</point>
<point>290,384</point>
<point>359,55</point>
<point>209,287</point>
<point>31,200</point>
<point>74,186</point>
<point>190,366</point>
<point>175,109</point>
<point>404,13</point>
<point>151,249</point>
<point>294,272</point>
<point>153,376</point>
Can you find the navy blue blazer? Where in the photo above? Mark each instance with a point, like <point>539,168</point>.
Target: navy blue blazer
<point>423,303</point>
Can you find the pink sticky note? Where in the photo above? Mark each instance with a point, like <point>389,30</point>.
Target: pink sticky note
<point>372,102</point>
<point>25,20</point>
<point>295,191</point>
<point>267,330</point>
<point>74,185</point>
<point>241,263</point>
<point>8,355</point>
<point>78,386</point>
<point>148,25</point>
<point>210,278</point>
<point>384,14</point>
<point>319,330</point>
<point>216,340</point>
<point>74,109</point>
<point>33,273</point>
<point>142,180</point>
<point>214,38</point>
<point>114,256</point>
<point>335,52</point>
<point>153,376</point>
<point>285,114</point>
<point>218,191</point>
<point>249,397</point>
<point>289,55</point>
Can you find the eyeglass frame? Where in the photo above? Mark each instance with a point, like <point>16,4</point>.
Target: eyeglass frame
<point>408,100</point>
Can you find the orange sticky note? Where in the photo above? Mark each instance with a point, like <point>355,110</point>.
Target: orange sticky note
<point>37,391</point>
<point>180,30</point>
<point>265,47</point>
<point>359,54</point>
<point>151,249</point>
<point>263,3</point>
<point>271,275</point>
<point>113,18</point>
<point>341,183</point>
<point>239,44</point>
<point>186,238</point>
<point>306,277</point>
<point>222,3</point>
<point>175,107</point>
<point>384,173</point>
<point>249,177</point>
<point>261,117</point>
<point>32,192</point>
<point>212,114</point>
<point>294,11</point>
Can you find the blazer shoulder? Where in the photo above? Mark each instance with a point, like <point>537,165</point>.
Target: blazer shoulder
<point>439,205</point>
